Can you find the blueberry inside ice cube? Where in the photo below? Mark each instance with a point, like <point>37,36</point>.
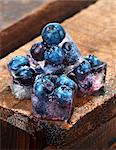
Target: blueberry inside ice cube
<point>93,60</point>
<point>17,62</point>
<point>53,33</point>
<point>63,94</point>
<point>64,80</point>
<point>84,67</point>
<point>25,75</point>
<point>37,51</point>
<point>43,87</point>
<point>54,55</point>
<point>71,53</point>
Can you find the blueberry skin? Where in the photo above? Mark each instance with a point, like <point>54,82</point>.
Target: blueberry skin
<point>37,51</point>
<point>64,80</point>
<point>83,68</point>
<point>64,94</point>
<point>17,62</point>
<point>43,87</point>
<point>25,75</point>
<point>71,53</point>
<point>93,60</point>
<point>54,55</point>
<point>53,33</point>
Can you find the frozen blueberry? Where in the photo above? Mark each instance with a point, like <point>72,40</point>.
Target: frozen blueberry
<point>64,80</point>
<point>37,51</point>
<point>25,75</point>
<point>17,62</point>
<point>53,33</point>
<point>71,53</point>
<point>93,60</point>
<point>43,87</point>
<point>54,55</point>
<point>83,68</point>
<point>64,94</point>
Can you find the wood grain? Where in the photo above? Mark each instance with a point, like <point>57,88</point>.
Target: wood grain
<point>30,24</point>
<point>13,138</point>
<point>101,138</point>
<point>10,13</point>
<point>94,33</point>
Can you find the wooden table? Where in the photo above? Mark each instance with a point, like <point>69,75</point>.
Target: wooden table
<point>93,120</point>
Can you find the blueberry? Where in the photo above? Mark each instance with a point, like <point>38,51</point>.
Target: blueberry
<point>63,94</point>
<point>17,62</point>
<point>93,60</point>
<point>40,90</point>
<point>37,51</point>
<point>25,75</point>
<point>53,33</point>
<point>54,55</point>
<point>64,80</point>
<point>43,87</point>
<point>71,53</point>
<point>83,68</point>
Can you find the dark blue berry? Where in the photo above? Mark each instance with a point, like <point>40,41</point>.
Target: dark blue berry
<point>71,53</point>
<point>53,33</point>
<point>37,51</point>
<point>17,62</point>
<point>43,87</point>
<point>25,75</point>
<point>93,60</point>
<point>54,55</point>
<point>83,68</point>
<point>64,80</point>
<point>63,94</point>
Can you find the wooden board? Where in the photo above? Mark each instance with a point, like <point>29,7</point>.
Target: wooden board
<point>11,14</point>
<point>94,33</point>
<point>30,21</point>
<point>103,137</point>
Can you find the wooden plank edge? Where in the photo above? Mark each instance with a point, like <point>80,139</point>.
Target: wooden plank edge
<point>30,26</point>
<point>16,119</point>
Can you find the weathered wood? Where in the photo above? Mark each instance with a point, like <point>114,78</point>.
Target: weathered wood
<point>12,11</point>
<point>16,139</point>
<point>30,24</point>
<point>103,137</point>
<point>100,138</point>
<point>93,33</point>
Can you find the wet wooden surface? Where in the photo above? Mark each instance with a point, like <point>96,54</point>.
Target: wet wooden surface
<point>94,33</point>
